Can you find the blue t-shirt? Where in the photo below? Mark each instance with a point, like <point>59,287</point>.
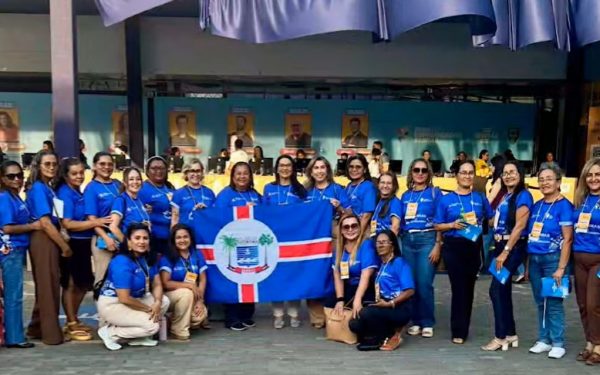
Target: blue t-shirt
<point>427,200</point>
<point>39,202</point>
<point>126,273</point>
<point>452,206</point>
<point>365,258</point>
<point>332,191</point>
<point>362,196</point>
<point>98,197</point>
<point>588,241</point>
<point>74,209</point>
<point>195,264</point>
<point>524,198</point>
<point>230,197</point>
<point>394,209</point>
<point>394,278</point>
<point>160,200</point>
<point>278,195</point>
<point>187,198</point>
<point>14,212</point>
<point>554,216</point>
<point>131,211</point>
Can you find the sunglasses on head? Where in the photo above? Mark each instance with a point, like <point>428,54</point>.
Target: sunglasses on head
<point>420,170</point>
<point>350,226</point>
<point>14,176</point>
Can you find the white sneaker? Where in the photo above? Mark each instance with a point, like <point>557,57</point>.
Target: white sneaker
<point>278,322</point>
<point>557,353</point>
<point>540,347</point>
<point>414,330</point>
<point>144,341</point>
<point>109,343</point>
<point>295,322</point>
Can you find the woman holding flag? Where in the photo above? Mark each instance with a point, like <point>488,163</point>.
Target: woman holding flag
<point>459,215</point>
<point>361,191</point>
<point>192,197</point>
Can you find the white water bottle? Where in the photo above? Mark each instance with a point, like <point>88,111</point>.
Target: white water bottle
<point>162,331</point>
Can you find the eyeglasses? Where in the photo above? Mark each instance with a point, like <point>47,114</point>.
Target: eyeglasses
<point>194,171</point>
<point>420,170</point>
<point>49,164</point>
<point>355,167</point>
<point>350,226</point>
<point>383,242</point>
<point>549,180</point>
<point>14,176</point>
<point>510,173</point>
<point>466,173</point>
<point>106,164</point>
<point>161,168</point>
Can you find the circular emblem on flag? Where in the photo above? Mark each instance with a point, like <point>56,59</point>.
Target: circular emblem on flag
<point>246,251</point>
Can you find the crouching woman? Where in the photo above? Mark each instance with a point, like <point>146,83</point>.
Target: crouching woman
<point>131,299</point>
<point>382,323</point>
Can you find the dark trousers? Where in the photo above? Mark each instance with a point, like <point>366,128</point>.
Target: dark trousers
<point>158,247</point>
<point>587,288</point>
<point>376,323</point>
<point>462,260</point>
<point>349,292</point>
<point>501,295</point>
<point>238,313</point>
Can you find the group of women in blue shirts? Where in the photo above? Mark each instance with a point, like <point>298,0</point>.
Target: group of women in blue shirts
<point>386,249</point>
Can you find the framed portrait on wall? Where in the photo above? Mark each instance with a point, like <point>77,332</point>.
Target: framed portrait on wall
<point>298,128</point>
<point>182,127</point>
<point>240,125</point>
<point>355,129</point>
<point>120,126</point>
<point>9,123</point>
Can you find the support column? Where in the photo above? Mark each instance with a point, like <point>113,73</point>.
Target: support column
<point>572,134</point>
<point>65,108</point>
<point>135,94</point>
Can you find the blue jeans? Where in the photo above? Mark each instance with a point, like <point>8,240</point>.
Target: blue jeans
<point>551,313</point>
<point>12,277</point>
<point>501,295</point>
<point>415,250</point>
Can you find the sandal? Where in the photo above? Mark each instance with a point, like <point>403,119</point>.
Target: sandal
<point>593,359</point>
<point>392,343</point>
<point>72,331</point>
<point>583,355</point>
<point>458,340</point>
<point>84,327</point>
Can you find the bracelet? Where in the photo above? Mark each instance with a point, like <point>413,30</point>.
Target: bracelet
<point>393,304</point>
<point>339,299</point>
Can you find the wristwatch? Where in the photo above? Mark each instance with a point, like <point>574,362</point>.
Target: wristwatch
<point>507,249</point>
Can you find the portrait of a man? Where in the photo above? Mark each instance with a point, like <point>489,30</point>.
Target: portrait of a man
<point>298,130</point>
<point>240,126</point>
<point>355,131</point>
<point>9,125</point>
<point>182,128</point>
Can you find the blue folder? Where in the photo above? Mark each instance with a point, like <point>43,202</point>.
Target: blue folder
<point>101,244</point>
<point>551,290</point>
<point>471,232</point>
<point>502,275</point>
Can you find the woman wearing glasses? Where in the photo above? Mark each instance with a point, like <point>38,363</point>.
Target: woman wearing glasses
<point>389,208</point>
<point>459,216</point>
<point>44,250</point>
<point>283,191</point>
<point>421,243</point>
<point>587,258</point>
<point>192,197</point>
<point>384,320</point>
<point>361,191</point>
<point>16,225</point>
<point>128,208</point>
<point>549,247</point>
<point>98,198</point>
<point>510,223</point>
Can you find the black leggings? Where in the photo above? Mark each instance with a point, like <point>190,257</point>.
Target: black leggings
<point>376,323</point>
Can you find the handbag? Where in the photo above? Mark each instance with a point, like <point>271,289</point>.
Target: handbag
<point>337,328</point>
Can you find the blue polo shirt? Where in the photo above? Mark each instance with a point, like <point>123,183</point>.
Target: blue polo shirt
<point>195,264</point>
<point>74,209</point>
<point>362,196</point>
<point>14,212</point>
<point>383,216</point>
<point>186,199</point>
<point>588,241</point>
<point>394,278</point>
<point>98,197</point>
<point>39,202</point>
<point>366,258</point>
<point>426,200</point>
<point>126,273</point>
<point>159,199</point>
<point>332,191</point>
<point>131,211</point>
<point>230,197</point>
<point>523,199</point>
<point>278,195</point>
<point>554,216</point>
<point>452,206</point>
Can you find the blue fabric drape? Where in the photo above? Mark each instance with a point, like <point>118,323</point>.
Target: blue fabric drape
<point>115,11</point>
<point>585,21</point>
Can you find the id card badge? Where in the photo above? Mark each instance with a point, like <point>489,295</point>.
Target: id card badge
<point>583,223</point>
<point>377,291</point>
<point>59,208</point>
<point>373,227</point>
<point>536,231</point>
<point>170,196</point>
<point>470,218</point>
<point>497,218</point>
<point>344,270</point>
<point>411,211</point>
<point>190,277</point>
<point>148,285</point>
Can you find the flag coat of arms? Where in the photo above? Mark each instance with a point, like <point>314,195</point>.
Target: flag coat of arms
<point>266,253</point>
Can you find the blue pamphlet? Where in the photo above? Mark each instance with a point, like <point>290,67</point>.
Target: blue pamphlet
<point>598,274</point>
<point>101,244</point>
<point>502,275</point>
<point>551,289</point>
<point>471,232</point>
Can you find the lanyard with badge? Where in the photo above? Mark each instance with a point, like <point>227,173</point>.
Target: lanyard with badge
<point>377,286</point>
<point>584,220</point>
<point>143,214</point>
<point>536,231</point>
<point>114,194</point>
<point>376,215</point>
<point>344,268</point>
<point>469,217</point>
<point>191,193</point>
<point>163,191</point>
<point>146,273</point>
<point>190,276</point>
<point>287,195</point>
<point>250,200</point>
<point>413,207</point>
<point>352,189</point>
<point>497,215</point>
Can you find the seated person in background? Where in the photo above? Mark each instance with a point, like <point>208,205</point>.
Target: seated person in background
<point>300,154</point>
<point>297,137</point>
<point>550,163</point>
<point>224,153</point>
<point>183,276</point>
<point>482,168</point>
<point>381,324</point>
<point>375,164</point>
<point>385,158</point>
<point>238,155</point>
<point>426,155</point>
<point>338,171</point>
<point>131,300</point>
<point>257,158</point>
<point>460,157</point>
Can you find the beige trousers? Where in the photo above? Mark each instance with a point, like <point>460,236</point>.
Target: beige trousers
<point>182,305</point>
<point>293,308</point>
<point>127,323</point>
<point>101,260</point>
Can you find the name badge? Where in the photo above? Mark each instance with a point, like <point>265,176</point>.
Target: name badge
<point>190,278</point>
<point>377,291</point>
<point>411,211</point>
<point>344,270</point>
<point>583,223</point>
<point>470,218</point>
<point>373,227</point>
<point>536,231</point>
<point>59,208</point>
